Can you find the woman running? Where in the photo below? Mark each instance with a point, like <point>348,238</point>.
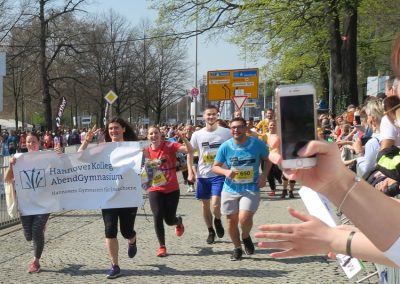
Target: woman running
<point>163,191</point>
<point>117,130</point>
<point>33,225</point>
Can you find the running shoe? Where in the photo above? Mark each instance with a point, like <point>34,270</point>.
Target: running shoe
<point>162,251</point>
<point>34,267</point>
<point>114,272</point>
<point>272,193</point>
<point>248,245</point>
<point>219,228</point>
<point>237,254</point>
<point>132,249</point>
<point>291,195</point>
<point>211,237</point>
<point>179,229</point>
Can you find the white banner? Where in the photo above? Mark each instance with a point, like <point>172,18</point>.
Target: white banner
<point>104,176</point>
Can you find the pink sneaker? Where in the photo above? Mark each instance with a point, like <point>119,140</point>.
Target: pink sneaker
<point>34,267</point>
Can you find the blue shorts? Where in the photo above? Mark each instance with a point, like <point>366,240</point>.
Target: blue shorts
<point>207,187</point>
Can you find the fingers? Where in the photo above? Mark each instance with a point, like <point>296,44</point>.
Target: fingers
<point>315,147</point>
<point>299,215</point>
<point>275,157</point>
<point>282,228</point>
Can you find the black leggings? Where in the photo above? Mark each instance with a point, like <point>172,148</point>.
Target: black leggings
<point>34,226</point>
<point>163,206</point>
<point>126,217</point>
<point>274,173</point>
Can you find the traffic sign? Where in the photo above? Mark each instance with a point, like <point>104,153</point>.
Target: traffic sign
<point>224,84</point>
<point>239,101</point>
<point>250,105</point>
<point>111,97</point>
<point>195,92</point>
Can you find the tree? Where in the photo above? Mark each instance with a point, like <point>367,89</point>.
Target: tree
<point>293,31</point>
<point>46,15</point>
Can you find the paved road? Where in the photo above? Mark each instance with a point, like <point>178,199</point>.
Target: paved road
<point>75,252</point>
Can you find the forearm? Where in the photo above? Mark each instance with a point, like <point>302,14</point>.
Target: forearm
<point>357,207</point>
<point>83,146</point>
<point>189,160</point>
<point>217,169</point>
<point>188,146</point>
<point>361,247</point>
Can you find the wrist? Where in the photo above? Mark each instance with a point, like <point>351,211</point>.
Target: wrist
<point>336,189</point>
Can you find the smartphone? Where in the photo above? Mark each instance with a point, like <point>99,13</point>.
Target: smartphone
<point>296,123</point>
<point>357,118</point>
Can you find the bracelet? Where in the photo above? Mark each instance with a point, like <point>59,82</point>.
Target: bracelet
<point>348,243</point>
<point>356,180</point>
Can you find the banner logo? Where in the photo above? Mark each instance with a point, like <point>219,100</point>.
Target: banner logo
<point>32,179</point>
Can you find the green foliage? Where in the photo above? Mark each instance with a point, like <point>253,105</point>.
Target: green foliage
<point>38,118</point>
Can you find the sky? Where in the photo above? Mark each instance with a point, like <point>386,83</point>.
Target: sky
<point>213,55</point>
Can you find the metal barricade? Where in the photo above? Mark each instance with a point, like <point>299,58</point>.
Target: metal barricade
<point>5,219</point>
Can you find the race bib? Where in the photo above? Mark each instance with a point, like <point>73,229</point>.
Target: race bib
<point>208,158</point>
<point>159,179</point>
<point>243,174</point>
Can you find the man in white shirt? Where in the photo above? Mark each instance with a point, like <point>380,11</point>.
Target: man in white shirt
<point>209,185</point>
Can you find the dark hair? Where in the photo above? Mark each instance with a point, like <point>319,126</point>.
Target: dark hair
<point>211,107</point>
<point>129,134</point>
<point>391,104</point>
<point>222,123</point>
<point>239,119</point>
<point>381,95</point>
<point>34,134</point>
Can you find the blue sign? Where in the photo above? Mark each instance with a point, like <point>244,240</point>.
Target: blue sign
<point>245,73</point>
<point>219,74</point>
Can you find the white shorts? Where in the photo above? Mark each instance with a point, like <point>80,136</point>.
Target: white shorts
<point>233,202</point>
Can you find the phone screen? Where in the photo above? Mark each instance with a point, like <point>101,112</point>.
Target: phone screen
<point>297,122</point>
<point>357,118</point>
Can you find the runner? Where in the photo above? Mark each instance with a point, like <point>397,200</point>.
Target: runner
<point>33,225</point>
<point>164,189</point>
<point>117,130</point>
<point>241,192</point>
<point>209,185</point>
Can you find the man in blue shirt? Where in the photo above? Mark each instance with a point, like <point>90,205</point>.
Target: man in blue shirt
<point>238,159</point>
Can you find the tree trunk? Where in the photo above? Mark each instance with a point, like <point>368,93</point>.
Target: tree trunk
<point>336,62</point>
<point>46,98</point>
<point>349,57</point>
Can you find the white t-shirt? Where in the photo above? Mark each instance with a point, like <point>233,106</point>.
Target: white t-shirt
<point>207,144</point>
<point>393,253</point>
<point>389,131</point>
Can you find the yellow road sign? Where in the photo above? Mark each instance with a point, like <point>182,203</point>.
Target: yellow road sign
<point>111,97</point>
<point>224,84</point>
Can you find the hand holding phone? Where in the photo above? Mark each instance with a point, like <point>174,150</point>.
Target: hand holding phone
<point>296,123</point>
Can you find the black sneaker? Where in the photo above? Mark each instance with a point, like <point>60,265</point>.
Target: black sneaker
<point>211,237</point>
<point>219,228</point>
<point>237,254</point>
<point>291,195</point>
<point>132,249</point>
<point>248,245</point>
<point>284,193</point>
<point>114,272</point>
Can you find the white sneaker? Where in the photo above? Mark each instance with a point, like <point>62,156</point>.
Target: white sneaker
<point>191,188</point>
